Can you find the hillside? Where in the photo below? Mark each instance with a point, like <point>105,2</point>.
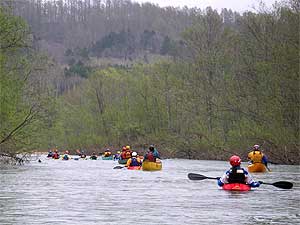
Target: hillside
<point>197,83</point>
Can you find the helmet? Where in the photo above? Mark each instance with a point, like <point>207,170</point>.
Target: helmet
<point>151,147</point>
<point>118,152</point>
<point>128,147</point>
<point>134,154</point>
<point>67,152</point>
<point>235,160</point>
<point>256,147</point>
<point>107,150</point>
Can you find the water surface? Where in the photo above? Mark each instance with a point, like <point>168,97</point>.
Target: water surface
<point>92,192</point>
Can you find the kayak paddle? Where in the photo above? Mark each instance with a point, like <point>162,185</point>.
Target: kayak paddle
<point>195,176</point>
<point>280,184</point>
<point>119,167</point>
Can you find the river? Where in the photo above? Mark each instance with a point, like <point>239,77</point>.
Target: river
<point>92,192</point>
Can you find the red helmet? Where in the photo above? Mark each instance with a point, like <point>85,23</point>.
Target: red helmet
<point>235,160</point>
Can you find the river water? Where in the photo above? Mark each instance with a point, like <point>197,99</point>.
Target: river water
<point>92,192</point>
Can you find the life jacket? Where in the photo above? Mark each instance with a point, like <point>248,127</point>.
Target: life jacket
<point>123,155</point>
<point>65,157</point>
<point>55,155</point>
<point>134,162</point>
<point>150,157</point>
<point>128,154</point>
<point>236,175</point>
<point>107,154</point>
<point>255,156</point>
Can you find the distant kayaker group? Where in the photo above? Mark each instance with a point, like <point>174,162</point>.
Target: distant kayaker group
<point>235,178</point>
<point>127,156</point>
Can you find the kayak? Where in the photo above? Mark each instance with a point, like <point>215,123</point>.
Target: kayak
<point>107,157</point>
<point>151,166</point>
<point>134,167</point>
<point>122,161</point>
<point>93,157</point>
<point>257,167</point>
<point>236,187</point>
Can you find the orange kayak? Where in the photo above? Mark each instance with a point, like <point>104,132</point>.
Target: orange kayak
<point>257,168</point>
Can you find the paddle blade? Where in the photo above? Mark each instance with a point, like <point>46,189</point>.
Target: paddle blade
<point>118,167</point>
<point>283,184</point>
<point>195,176</point>
<point>280,184</point>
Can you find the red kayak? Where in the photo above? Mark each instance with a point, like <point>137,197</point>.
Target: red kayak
<point>134,167</point>
<point>236,187</point>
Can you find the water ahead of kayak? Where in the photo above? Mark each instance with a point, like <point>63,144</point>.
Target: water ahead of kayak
<point>92,192</point>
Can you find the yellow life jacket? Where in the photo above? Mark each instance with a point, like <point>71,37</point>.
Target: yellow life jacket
<point>255,156</point>
<point>107,154</point>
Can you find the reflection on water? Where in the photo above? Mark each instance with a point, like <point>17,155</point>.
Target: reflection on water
<point>91,192</point>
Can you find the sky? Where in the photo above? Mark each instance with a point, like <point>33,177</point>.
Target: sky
<point>235,5</point>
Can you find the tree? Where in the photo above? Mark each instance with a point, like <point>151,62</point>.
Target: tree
<point>23,106</point>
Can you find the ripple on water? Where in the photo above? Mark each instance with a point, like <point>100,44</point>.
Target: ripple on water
<point>91,192</point>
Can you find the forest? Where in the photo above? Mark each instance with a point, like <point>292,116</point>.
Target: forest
<point>196,83</point>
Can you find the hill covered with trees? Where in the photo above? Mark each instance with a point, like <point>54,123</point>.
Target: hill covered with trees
<point>197,83</point>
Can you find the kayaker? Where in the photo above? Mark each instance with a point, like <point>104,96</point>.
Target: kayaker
<point>256,156</point>
<point>82,154</point>
<point>134,160</point>
<point>55,154</point>
<point>123,154</point>
<point>66,156</point>
<point>237,174</point>
<point>128,152</point>
<point>107,153</point>
<point>50,154</point>
<point>117,155</point>
<point>152,154</point>
<point>93,156</point>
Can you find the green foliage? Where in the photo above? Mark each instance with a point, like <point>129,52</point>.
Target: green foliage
<point>168,47</point>
<point>120,41</point>
<point>78,69</point>
<point>23,108</point>
<point>238,87</point>
<point>235,82</point>
<point>14,31</point>
<point>147,40</point>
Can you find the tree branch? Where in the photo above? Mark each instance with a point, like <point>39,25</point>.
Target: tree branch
<point>20,126</point>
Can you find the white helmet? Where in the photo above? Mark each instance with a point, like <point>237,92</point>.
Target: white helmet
<point>256,147</point>
<point>134,154</point>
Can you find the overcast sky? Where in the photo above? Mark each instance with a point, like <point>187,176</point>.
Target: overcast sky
<point>236,5</point>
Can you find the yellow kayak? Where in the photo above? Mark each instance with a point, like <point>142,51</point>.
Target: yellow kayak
<point>257,167</point>
<point>152,166</point>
